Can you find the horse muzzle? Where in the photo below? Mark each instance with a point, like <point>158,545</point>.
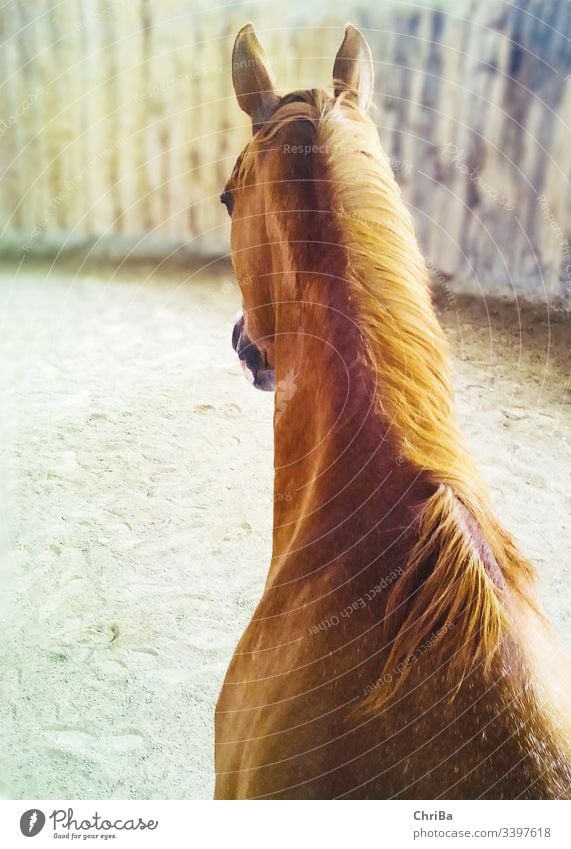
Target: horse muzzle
<point>252,359</point>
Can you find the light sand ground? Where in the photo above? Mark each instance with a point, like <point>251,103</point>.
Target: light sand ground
<point>135,476</point>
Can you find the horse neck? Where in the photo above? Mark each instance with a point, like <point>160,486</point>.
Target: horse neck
<point>339,470</point>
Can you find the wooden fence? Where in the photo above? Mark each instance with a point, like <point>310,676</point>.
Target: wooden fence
<point>118,124</point>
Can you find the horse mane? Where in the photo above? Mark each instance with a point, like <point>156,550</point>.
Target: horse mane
<point>477,580</point>
<point>475,562</point>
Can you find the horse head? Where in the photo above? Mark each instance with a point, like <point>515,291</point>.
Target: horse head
<point>272,179</point>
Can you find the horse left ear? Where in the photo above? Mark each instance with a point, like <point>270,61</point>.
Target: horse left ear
<point>353,70</point>
<point>252,77</point>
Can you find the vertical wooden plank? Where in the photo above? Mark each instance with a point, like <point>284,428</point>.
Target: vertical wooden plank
<point>93,115</point>
<point>217,92</point>
<point>177,112</point>
<point>224,139</point>
<point>154,117</point>
<point>22,119</point>
<point>127,119</point>
<point>196,124</point>
<point>4,128</point>
<point>41,196</point>
<point>73,203</point>
<point>11,141</point>
<point>57,133</point>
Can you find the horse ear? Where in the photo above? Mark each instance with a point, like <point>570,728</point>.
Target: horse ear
<point>252,77</point>
<point>353,70</point>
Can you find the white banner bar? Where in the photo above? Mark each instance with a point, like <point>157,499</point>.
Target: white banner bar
<point>283,825</point>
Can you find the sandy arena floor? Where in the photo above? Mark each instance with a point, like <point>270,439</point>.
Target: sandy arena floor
<point>135,487</point>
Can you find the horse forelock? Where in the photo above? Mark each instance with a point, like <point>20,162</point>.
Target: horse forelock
<point>303,105</point>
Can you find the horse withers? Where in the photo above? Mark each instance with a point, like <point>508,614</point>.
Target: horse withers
<point>398,650</point>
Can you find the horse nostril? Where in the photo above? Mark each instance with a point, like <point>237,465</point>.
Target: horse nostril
<point>237,332</point>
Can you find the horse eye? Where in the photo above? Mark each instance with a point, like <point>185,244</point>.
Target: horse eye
<point>228,201</point>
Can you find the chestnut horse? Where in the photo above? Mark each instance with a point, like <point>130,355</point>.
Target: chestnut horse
<point>398,650</point>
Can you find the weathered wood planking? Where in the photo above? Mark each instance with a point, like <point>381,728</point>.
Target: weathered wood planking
<point>119,120</point>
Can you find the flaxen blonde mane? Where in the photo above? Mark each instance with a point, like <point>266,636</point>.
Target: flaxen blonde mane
<point>476,563</point>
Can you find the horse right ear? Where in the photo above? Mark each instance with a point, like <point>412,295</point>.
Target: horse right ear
<point>252,77</point>
<point>353,70</point>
